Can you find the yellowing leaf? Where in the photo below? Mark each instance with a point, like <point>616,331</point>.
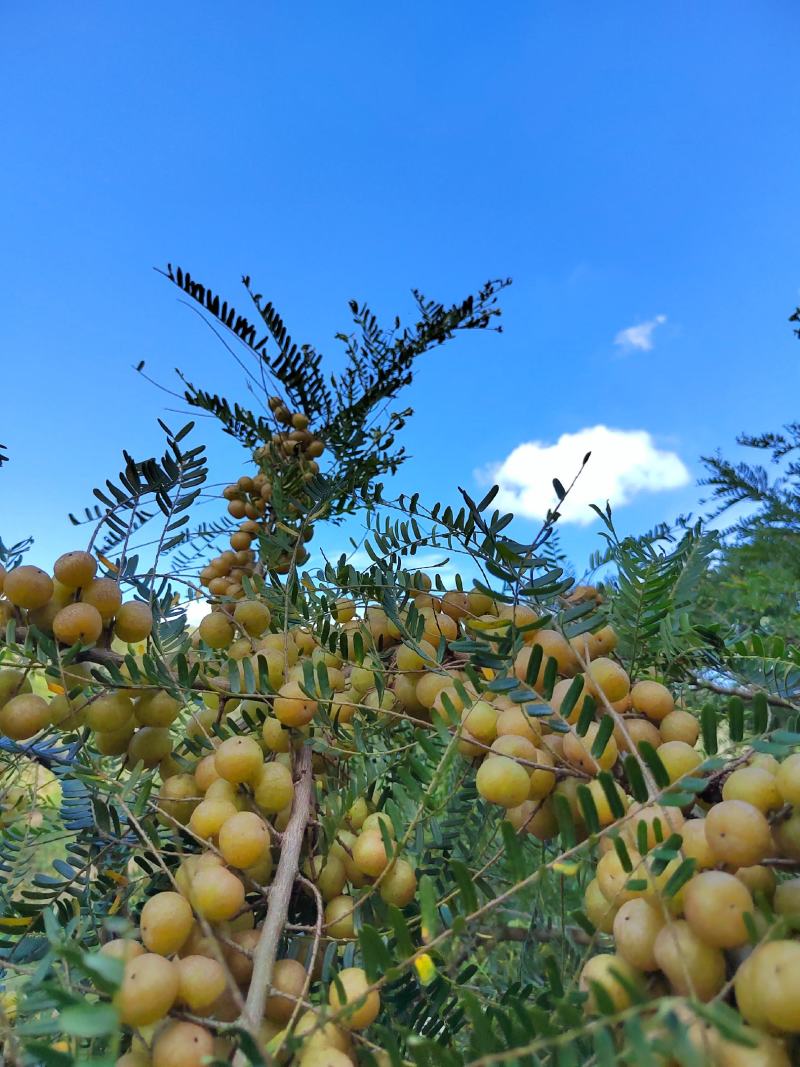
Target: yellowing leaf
<point>107,563</point>
<point>426,969</point>
<point>568,869</point>
<point>487,673</point>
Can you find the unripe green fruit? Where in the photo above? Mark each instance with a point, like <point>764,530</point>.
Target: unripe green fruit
<point>109,712</point>
<point>157,708</point>
<point>23,716</point>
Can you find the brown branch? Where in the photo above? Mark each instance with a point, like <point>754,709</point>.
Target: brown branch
<point>280,894</point>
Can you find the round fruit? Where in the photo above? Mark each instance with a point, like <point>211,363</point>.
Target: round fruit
<point>369,853</point>
<point>133,622</point>
<point>636,927</point>
<point>28,587</point>
<point>787,779</point>
<point>287,985</point>
<point>182,1045</point>
<point>339,918</point>
<point>274,788</point>
<point>24,716</point>
<point>692,967</point>
<point>77,624</point>
<point>754,785</point>
<point>165,923</point>
<point>216,630</point>
<point>359,1008</point>
<point>714,905</point>
<point>680,726</point>
<point>243,839</point>
<point>501,780</point>
<point>612,975</point>
<point>607,677</point>
<point>679,759</point>
<point>239,759</point>
<point>292,707</point>
<point>75,569</point>
<point>652,699</point>
<point>737,833</point>
<point>148,990</point>
<point>103,594</point>
<point>399,885</point>
<point>217,894</point>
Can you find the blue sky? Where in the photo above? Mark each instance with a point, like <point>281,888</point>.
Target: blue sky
<point>629,165</point>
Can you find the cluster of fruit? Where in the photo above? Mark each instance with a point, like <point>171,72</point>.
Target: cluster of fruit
<point>76,608</point>
<point>730,927</point>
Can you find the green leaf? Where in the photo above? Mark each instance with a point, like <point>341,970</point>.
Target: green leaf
<point>89,1020</point>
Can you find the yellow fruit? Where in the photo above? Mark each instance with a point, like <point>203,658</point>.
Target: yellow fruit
<point>339,918</point>
<point>122,948</point>
<point>157,708</point>
<point>714,905</point>
<point>613,879</point>
<point>133,622</point>
<point>243,839</point>
<point>77,624</point>
<point>737,833</point>
<point>287,985</point>
<point>653,700</point>
<point>636,927</point>
<point>165,923</point>
<point>679,759</point>
<point>148,990</point>
<point>28,587</point>
<point>755,786</point>
<point>358,1007</point>
<point>695,844</point>
<point>216,894</point>
<point>23,716</point>
<point>692,967</point>
<point>216,630</point>
<point>578,750</point>
<point>600,912</point>
<point>75,569</point>
<point>149,746</point>
<point>607,677</point>
<point>787,898</point>
<point>369,853</point>
<point>253,616</point>
<point>399,885</point>
<point>292,707</point>
<point>274,788</point>
<point>680,726</point>
<point>182,1045</point>
<point>501,780</point>
<point>613,975</point>
<point>766,986</point>
<point>239,759</point>
<point>787,779</point>
<point>103,594</point>
<point>109,712</point>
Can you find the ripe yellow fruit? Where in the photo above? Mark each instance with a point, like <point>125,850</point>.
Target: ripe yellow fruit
<point>133,622</point>
<point>680,726</point>
<point>217,894</point>
<point>148,990</point>
<point>515,721</point>
<point>679,759</point>
<point>210,816</point>
<point>109,711</point>
<point>274,788</point>
<point>324,1056</point>
<point>369,853</point>
<point>182,1045</point>
<point>201,981</point>
<point>77,624</point>
<point>359,1007</point>
<point>787,779</point>
<point>122,948</point>
<point>103,594</point>
<point>13,683</point>
<point>75,569</point>
<point>737,833</point>
<point>292,707</point>
<point>339,918</point>
<point>578,750</point>
<point>149,746</point>
<point>613,975</point>
<point>600,912</point>
<point>243,839</point>
<point>631,732</point>
<point>28,587</point>
<point>653,700</point>
<point>239,759</point>
<point>613,879</point>
<point>501,780</point>
<point>714,905</point>
<point>636,926</point>
<point>288,982</point>
<point>695,844</point>
<point>23,716</point>
<point>480,721</point>
<point>754,785</point>
<point>659,823</point>
<point>178,797</point>
<point>165,923</point>
<point>216,630</point>
<point>399,885</point>
<point>692,967</point>
<point>157,708</point>
<point>253,616</point>
<point>607,677</point>
<point>766,986</point>
<point>758,879</point>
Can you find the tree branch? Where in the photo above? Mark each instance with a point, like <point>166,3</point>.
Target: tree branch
<point>279,896</point>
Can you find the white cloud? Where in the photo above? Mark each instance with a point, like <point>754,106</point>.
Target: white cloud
<point>196,611</point>
<point>639,337</point>
<point>624,463</point>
